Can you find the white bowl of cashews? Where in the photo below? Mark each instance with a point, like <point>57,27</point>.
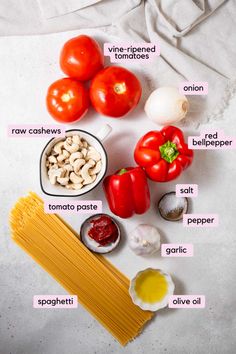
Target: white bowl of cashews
<point>75,164</point>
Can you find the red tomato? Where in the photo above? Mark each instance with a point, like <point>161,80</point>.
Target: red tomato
<point>115,91</point>
<point>67,100</point>
<point>81,58</point>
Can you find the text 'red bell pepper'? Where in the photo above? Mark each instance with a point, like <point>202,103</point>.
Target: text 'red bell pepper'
<point>127,192</point>
<point>163,154</point>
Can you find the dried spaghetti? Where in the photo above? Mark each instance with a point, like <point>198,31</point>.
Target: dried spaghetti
<point>101,288</point>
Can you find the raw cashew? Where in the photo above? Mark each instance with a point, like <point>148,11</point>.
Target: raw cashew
<point>54,173</point>
<point>58,147</point>
<point>61,164</point>
<point>52,159</point>
<point>63,180</point>
<point>85,144</point>
<point>67,169</point>
<point>75,178</point>
<point>77,165</point>
<point>91,162</point>
<point>73,163</point>
<point>84,152</point>
<point>69,140</point>
<point>74,186</point>
<point>76,139</point>
<point>96,169</point>
<point>71,148</point>
<point>93,154</point>
<point>85,172</point>
<point>74,156</point>
<point>65,154</point>
<point>93,177</point>
<point>53,167</point>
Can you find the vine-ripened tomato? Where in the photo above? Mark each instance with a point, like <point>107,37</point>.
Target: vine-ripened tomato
<point>81,58</point>
<point>115,91</point>
<point>67,100</point>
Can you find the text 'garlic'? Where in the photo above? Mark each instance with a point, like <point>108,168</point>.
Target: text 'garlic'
<point>144,240</point>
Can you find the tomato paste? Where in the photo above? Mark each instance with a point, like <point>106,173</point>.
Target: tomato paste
<point>104,230</point>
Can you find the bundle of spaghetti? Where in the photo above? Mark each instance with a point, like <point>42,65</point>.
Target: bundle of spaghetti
<point>100,287</point>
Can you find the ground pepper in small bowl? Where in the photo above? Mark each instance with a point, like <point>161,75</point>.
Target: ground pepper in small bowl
<point>172,208</point>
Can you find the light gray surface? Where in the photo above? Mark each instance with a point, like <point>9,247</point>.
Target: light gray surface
<point>28,66</point>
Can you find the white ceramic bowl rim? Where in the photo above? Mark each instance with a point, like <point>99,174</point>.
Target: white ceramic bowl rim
<point>72,195</point>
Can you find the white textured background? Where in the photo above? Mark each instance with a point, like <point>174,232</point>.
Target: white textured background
<point>28,66</point>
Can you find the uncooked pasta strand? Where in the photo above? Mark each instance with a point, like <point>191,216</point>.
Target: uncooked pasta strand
<point>101,288</point>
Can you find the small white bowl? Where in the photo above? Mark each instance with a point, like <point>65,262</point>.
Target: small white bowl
<point>95,141</point>
<point>157,305</point>
<point>92,244</point>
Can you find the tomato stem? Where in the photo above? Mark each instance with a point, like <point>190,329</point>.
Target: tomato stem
<point>66,97</point>
<point>120,88</point>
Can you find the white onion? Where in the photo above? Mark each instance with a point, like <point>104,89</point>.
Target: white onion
<point>166,105</point>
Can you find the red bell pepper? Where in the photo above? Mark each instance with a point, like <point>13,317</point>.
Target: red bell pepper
<point>127,192</point>
<point>163,154</point>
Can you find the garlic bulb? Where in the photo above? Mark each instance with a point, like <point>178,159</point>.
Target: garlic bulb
<point>144,240</point>
<point>166,105</point>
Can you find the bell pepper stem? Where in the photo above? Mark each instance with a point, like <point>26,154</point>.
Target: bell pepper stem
<point>122,171</point>
<point>169,151</point>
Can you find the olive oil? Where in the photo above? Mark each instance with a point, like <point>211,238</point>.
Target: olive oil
<point>151,286</point>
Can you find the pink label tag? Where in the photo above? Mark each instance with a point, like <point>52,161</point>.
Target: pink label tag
<point>68,206</point>
<point>187,301</point>
<point>186,190</point>
<point>176,250</point>
<point>130,52</point>
<point>193,88</point>
<point>211,140</point>
<point>200,220</point>
<point>55,301</point>
<point>35,131</point>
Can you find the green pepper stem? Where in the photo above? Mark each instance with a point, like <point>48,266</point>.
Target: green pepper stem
<point>169,151</point>
<point>122,171</point>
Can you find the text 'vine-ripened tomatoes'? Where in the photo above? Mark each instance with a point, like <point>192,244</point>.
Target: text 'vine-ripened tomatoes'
<point>115,91</point>
<point>81,58</point>
<point>67,100</point>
